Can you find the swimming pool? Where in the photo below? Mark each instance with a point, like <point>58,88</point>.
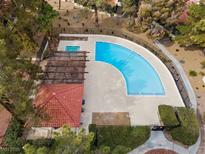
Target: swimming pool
<point>72,48</point>
<point>140,76</point>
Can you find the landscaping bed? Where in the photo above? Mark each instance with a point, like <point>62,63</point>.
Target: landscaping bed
<point>186,130</point>
<point>113,136</point>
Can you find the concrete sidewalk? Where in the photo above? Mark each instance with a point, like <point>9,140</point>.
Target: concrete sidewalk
<point>157,140</point>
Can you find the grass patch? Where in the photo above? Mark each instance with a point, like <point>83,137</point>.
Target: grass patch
<point>192,73</point>
<point>126,136</point>
<point>187,132</point>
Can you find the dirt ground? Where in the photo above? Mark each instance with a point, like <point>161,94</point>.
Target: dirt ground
<point>110,118</point>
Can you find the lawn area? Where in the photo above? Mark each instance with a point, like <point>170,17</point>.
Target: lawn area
<point>113,136</point>
<point>187,132</point>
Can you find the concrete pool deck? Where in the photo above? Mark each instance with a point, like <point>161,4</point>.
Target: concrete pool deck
<point>105,87</point>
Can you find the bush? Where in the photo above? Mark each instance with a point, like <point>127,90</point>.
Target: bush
<point>121,150</point>
<point>188,131</point>
<point>13,138</point>
<point>127,136</point>
<point>168,116</point>
<point>41,142</point>
<point>203,64</point>
<point>192,73</point>
<point>93,128</point>
<point>201,73</point>
<point>103,6</point>
<point>13,134</point>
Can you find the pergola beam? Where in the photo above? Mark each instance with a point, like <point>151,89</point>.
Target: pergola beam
<point>65,67</point>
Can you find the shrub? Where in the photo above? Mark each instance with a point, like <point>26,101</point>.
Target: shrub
<point>41,142</point>
<point>192,73</point>
<point>188,130</point>
<point>121,150</point>
<point>203,64</point>
<point>188,133</point>
<point>167,115</point>
<point>13,138</point>
<point>127,136</point>
<point>201,73</point>
<point>13,134</point>
<point>93,128</point>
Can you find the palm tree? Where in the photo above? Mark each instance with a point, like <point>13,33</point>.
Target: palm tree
<point>95,4</point>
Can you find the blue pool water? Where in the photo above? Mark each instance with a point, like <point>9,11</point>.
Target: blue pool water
<point>72,48</point>
<point>140,76</point>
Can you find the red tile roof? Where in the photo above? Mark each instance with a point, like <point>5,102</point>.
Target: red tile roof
<point>62,103</point>
<point>5,118</point>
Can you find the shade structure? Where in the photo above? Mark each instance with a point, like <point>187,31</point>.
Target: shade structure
<point>65,67</point>
<point>62,104</point>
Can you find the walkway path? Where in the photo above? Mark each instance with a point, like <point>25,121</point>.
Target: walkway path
<point>157,140</point>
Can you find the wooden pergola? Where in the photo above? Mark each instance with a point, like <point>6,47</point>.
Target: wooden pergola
<point>65,67</point>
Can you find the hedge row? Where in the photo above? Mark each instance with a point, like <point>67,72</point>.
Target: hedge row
<point>187,132</point>
<point>168,116</point>
<point>113,136</point>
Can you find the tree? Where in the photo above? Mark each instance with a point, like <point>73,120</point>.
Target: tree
<point>130,8</point>
<point>193,32</point>
<point>156,16</point>
<point>46,17</point>
<point>18,25</point>
<point>30,149</point>
<point>66,141</point>
<point>95,4</point>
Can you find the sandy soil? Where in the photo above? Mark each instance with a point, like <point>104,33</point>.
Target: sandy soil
<point>190,59</point>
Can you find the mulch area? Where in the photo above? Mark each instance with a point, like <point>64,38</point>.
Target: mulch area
<point>160,151</point>
<point>5,118</point>
<point>111,118</point>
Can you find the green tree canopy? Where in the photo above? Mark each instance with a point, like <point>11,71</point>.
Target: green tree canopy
<point>193,32</point>
<point>156,16</point>
<point>18,26</point>
<point>66,141</point>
